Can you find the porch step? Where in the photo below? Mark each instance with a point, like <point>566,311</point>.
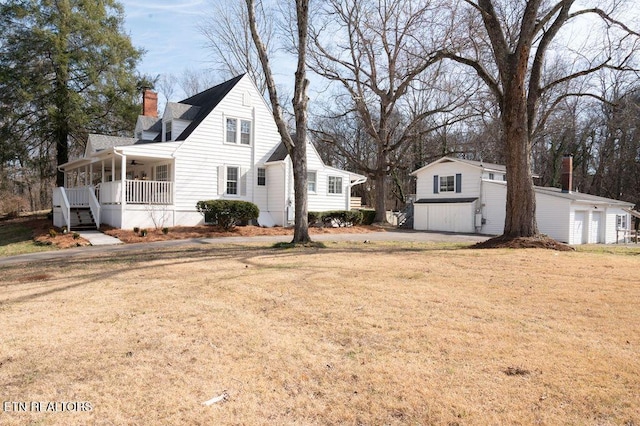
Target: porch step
<point>82,219</point>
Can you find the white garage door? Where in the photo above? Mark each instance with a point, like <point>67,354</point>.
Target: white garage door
<point>445,217</point>
<point>578,228</point>
<point>596,220</point>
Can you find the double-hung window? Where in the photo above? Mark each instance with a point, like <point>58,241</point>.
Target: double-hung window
<point>447,183</point>
<point>334,185</point>
<point>238,131</point>
<point>167,131</point>
<point>311,181</point>
<point>621,221</point>
<point>262,176</point>
<point>232,180</point>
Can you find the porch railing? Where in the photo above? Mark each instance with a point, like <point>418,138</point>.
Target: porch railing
<point>149,192</point>
<point>137,192</point>
<point>78,197</point>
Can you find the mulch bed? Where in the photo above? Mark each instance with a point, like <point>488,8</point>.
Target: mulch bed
<point>538,241</point>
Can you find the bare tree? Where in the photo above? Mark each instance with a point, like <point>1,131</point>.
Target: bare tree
<point>195,81</point>
<point>384,58</point>
<point>508,49</point>
<point>166,86</point>
<point>229,40</point>
<point>296,145</point>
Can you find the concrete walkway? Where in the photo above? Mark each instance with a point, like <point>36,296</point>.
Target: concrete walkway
<point>388,235</point>
<point>97,238</point>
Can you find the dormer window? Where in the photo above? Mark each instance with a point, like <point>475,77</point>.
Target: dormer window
<point>167,131</point>
<point>238,131</point>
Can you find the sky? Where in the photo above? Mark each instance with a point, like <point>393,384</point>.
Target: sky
<point>168,31</point>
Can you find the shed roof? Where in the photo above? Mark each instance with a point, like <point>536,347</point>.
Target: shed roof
<point>279,154</point>
<point>445,200</point>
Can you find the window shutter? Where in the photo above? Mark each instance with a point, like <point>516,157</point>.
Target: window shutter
<point>221,180</point>
<point>436,184</point>
<point>458,183</point>
<point>243,181</point>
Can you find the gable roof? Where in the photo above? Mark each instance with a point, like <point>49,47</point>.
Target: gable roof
<point>206,101</point>
<point>150,124</point>
<point>176,110</point>
<point>479,164</point>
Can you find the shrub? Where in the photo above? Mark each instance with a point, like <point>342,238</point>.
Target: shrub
<point>368,216</point>
<point>143,232</point>
<point>342,218</point>
<point>165,230</point>
<point>76,235</point>
<point>314,218</point>
<point>136,229</point>
<point>227,213</point>
<point>52,233</point>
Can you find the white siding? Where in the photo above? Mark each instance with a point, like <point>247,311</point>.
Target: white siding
<point>205,149</point>
<point>470,184</point>
<point>553,217</point>
<point>611,234</point>
<point>177,127</point>
<point>322,200</point>
<point>276,184</point>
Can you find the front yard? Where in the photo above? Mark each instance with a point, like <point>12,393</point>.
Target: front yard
<point>378,333</point>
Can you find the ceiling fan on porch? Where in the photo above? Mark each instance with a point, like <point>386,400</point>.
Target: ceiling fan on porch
<point>136,163</point>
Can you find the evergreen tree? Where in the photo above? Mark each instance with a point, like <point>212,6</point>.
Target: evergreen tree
<point>66,69</point>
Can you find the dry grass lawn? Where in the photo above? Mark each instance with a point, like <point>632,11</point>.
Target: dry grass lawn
<point>366,334</point>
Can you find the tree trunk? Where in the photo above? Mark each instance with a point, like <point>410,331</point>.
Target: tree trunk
<point>520,219</point>
<point>380,204</point>
<point>301,224</point>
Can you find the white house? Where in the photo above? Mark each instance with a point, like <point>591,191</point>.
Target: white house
<point>218,144</point>
<point>457,195</point>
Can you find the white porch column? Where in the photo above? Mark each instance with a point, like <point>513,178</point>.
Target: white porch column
<point>123,178</point>
<point>113,168</point>
<point>102,164</point>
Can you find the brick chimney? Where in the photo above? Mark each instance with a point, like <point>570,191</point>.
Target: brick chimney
<point>566,179</point>
<point>149,103</point>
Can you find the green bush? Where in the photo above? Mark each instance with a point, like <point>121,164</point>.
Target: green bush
<point>227,213</point>
<point>368,216</point>
<point>314,218</point>
<point>342,218</point>
<point>165,230</point>
<point>143,232</point>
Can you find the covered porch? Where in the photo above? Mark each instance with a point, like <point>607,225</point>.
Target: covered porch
<point>112,183</point>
